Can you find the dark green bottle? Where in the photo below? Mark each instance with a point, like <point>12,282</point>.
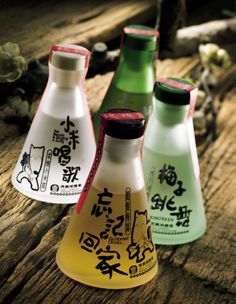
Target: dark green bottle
<point>133,81</point>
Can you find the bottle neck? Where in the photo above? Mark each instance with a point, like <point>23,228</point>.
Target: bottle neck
<point>121,150</point>
<point>136,71</point>
<point>170,114</point>
<point>66,78</point>
<point>120,166</point>
<point>136,59</point>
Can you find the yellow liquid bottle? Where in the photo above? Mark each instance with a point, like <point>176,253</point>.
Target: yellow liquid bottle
<point>108,242</point>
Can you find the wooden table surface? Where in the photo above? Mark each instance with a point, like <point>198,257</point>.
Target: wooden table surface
<point>36,25</point>
<point>201,272</point>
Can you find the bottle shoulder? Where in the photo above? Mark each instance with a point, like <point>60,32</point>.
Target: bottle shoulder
<point>59,101</point>
<point>118,175</point>
<point>165,138</point>
<point>133,80</point>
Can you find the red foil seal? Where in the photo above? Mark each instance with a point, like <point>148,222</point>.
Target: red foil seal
<point>186,87</point>
<point>144,32</point>
<point>105,118</point>
<point>135,31</point>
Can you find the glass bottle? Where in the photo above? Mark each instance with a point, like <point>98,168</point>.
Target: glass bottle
<point>171,167</point>
<point>108,241</point>
<point>60,146</point>
<point>133,81</point>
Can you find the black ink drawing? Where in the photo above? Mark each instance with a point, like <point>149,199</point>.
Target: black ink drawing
<point>102,204</point>
<point>182,216</point>
<point>69,141</point>
<point>106,256</point>
<point>141,237</point>
<point>88,241</point>
<point>31,166</point>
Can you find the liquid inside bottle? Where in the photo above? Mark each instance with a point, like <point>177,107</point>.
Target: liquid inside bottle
<point>140,102</point>
<point>171,167</point>
<point>132,84</point>
<point>102,244</point>
<point>108,243</point>
<point>174,197</point>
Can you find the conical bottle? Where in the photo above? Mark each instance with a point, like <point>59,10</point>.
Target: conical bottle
<point>133,81</point>
<point>171,167</point>
<point>60,145</point>
<point>108,241</point>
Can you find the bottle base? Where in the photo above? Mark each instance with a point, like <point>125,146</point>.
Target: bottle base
<point>158,240</point>
<point>94,282</point>
<point>60,199</point>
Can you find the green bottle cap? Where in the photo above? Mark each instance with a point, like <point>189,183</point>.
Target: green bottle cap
<point>141,37</point>
<point>175,91</point>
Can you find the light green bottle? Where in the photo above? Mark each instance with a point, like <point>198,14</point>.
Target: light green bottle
<point>133,81</point>
<point>171,167</point>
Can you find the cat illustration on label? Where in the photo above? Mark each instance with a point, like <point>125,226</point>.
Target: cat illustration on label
<point>141,237</point>
<point>31,166</point>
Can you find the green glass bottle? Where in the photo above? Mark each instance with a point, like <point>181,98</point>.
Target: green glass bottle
<point>171,167</point>
<point>133,81</point>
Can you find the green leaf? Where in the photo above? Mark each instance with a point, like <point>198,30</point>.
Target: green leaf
<point>11,48</point>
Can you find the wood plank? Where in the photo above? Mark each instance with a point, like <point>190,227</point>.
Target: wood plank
<point>211,258</point>
<point>36,25</point>
<point>38,279</point>
<point>189,38</point>
<point>97,86</point>
<point>200,272</point>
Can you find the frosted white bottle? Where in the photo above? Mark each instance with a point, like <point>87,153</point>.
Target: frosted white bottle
<point>171,168</point>
<point>60,146</point>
